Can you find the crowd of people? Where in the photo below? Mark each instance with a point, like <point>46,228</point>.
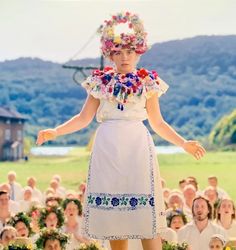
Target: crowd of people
<point>204,219</point>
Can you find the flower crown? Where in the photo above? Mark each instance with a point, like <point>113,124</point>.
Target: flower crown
<point>20,243</point>
<point>173,213</point>
<point>46,211</point>
<point>112,42</point>
<point>13,246</point>
<point>34,211</point>
<point>51,234</point>
<point>91,246</point>
<point>21,217</point>
<point>75,201</point>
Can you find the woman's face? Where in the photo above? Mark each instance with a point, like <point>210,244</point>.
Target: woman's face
<point>22,229</point>
<point>211,195</point>
<point>175,202</point>
<point>176,223</point>
<point>52,245</point>
<point>51,221</point>
<point>71,210</point>
<point>226,208</point>
<point>125,60</point>
<point>8,235</point>
<point>27,195</point>
<point>215,244</point>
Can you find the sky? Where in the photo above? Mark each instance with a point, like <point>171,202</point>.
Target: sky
<point>56,30</point>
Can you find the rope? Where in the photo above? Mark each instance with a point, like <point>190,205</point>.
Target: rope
<point>81,49</point>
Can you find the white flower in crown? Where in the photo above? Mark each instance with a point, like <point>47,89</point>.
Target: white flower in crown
<point>111,41</point>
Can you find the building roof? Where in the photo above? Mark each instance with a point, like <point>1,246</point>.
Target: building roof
<point>11,114</point>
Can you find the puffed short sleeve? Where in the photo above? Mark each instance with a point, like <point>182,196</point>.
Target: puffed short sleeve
<point>156,85</point>
<point>93,86</point>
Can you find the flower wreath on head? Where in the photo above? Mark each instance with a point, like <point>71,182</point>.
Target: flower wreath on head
<point>112,42</point>
<point>13,246</point>
<point>46,211</point>
<point>51,234</point>
<point>91,246</point>
<point>76,202</point>
<point>54,198</point>
<point>34,211</point>
<point>21,217</point>
<point>177,212</point>
<point>20,243</point>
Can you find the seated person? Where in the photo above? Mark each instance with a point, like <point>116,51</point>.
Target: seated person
<point>176,219</point>
<point>225,216</point>
<point>21,222</point>
<point>51,239</point>
<point>217,242</point>
<point>51,218</point>
<point>7,235</point>
<point>73,214</point>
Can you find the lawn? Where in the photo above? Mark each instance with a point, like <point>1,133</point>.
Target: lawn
<point>73,169</point>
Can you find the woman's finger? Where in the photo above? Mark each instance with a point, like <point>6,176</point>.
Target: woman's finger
<point>40,139</point>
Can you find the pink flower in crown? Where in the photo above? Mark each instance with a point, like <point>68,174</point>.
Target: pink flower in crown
<point>108,44</point>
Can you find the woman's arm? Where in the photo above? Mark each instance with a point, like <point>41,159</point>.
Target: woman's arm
<point>82,120</point>
<point>162,128</point>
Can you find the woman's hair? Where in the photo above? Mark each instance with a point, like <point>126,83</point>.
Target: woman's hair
<point>46,211</point>
<point>5,229</point>
<point>51,234</point>
<point>218,217</point>
<point>21,217</point>
<point>74,201</point>
<point>174,213</point>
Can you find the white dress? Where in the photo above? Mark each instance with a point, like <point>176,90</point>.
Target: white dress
<point>124,196</point>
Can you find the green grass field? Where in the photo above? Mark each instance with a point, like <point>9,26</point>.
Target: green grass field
<point>73,169</point>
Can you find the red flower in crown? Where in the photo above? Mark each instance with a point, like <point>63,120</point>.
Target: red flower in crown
<point>142,73</point>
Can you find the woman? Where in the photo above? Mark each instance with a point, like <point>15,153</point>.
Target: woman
<point>51,218</point>
<point>73,212</point>
<point>51,239</point>
<point>7,235</point>
<point>123,179</point>
<point>226,216</point>
<point>21,222</point>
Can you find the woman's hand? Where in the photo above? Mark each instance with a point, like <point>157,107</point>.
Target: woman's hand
<point>194,148</point>
<point>46,135</point>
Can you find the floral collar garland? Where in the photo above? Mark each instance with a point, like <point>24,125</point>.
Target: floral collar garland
<point>124,87</point>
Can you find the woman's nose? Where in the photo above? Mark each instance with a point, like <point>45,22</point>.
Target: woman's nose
<point>124,56</point>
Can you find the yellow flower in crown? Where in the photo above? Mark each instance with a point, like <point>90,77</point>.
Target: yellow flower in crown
<point>110,32</point>
<point>228,248</point>
<point>117,40</point>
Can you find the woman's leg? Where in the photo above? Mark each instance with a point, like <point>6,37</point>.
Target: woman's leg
<point>152,244</point>
<point>119,244</point>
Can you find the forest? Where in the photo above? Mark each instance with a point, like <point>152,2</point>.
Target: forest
<point>201,72</point>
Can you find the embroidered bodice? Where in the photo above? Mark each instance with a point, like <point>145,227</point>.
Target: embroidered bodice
<point>123,96</point>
